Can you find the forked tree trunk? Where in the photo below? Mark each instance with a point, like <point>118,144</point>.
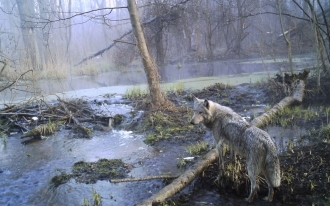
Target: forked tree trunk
<point>158,99</point>
<point>188,176</point>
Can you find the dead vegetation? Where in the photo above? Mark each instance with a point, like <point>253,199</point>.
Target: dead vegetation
<point>40,119</point>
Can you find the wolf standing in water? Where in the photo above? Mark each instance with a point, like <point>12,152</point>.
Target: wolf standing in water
<point>249,141</point>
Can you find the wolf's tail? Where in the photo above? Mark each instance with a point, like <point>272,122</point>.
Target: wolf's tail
<point>273,168</point>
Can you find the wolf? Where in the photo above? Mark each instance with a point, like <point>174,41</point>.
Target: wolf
<point>246,140</point>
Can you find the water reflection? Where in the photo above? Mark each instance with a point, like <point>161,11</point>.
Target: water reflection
<point>135,76</point>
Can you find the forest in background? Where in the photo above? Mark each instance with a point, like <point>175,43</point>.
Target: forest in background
<point>58,38</point>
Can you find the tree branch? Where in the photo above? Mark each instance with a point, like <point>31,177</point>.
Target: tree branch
<point>14,82</point>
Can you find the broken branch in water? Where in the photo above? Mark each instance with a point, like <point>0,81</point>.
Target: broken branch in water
<point>143,179</point>
<point>84,130</point>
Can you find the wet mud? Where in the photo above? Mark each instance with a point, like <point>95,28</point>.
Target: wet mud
<point>304,157</point>
<point>304,151</point>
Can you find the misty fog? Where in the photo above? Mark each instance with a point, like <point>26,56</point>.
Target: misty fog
<point>58,39</point>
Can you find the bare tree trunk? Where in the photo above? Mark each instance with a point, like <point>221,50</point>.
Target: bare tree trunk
<point>69,29</point>
<point>27,14</point>
<point>188,176</point>
<point>160,51</point>
<point>158,99</point>
<point>240,29</point>
<point>45,11</point>
<point>288,42</point>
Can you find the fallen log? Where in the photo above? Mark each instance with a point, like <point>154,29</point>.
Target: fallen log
<point>184,180</point>
<point>297,96</point>
<point>188,176</point>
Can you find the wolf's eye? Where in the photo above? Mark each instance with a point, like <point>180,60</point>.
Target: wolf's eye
<point>200,112</point>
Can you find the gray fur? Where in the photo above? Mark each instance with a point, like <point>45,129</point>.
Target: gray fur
<point>249,141</point>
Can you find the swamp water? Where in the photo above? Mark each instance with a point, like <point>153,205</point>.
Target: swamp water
<point>26,170</point>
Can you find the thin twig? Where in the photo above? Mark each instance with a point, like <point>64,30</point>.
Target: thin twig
<point>14,82</point>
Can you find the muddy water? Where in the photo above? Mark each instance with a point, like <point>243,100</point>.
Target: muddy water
<point>26,170</point>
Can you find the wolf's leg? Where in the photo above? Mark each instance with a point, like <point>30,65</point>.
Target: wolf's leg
<point>269,198</point>
<point>221,162</point>
<point>252,175</point>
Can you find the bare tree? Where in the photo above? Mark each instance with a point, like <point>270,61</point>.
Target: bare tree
<point>158,99</point>
<point>28,28</point>
<point>284,33</point>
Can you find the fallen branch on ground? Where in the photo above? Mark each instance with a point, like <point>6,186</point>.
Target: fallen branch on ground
<point>184,180</point>
<point>143,179</point>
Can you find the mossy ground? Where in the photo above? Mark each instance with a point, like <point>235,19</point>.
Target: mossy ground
<point>91,172</point>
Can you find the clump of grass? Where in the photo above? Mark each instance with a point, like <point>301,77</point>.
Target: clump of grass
<point>197,149</point>
<point>234,175</point>
<point>97,199</point>
<point>86,202</point>
<point>324,133</point>
<point>3,129</point>
<point>44,129</point>
<point>182,163</point>
<point>177,88</point>
<point>4,138</point>
<point>136,93</point>
<point>289,115</point>
<point>164,126</point>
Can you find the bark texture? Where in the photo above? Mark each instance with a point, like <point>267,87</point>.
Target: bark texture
<point>158,99</point>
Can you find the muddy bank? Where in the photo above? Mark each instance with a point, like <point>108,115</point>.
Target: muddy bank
<point>305,166</point>
<point>304,163</point>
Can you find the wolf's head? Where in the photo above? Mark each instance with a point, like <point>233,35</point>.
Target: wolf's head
<point>202,111</point>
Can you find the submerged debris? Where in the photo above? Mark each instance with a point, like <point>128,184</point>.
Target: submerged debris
<point>43,119</point>
<point>44,129</point>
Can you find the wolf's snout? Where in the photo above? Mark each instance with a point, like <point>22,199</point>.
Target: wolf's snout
<point>192,122</point>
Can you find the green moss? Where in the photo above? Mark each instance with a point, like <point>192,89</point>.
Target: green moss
<point>160,125</point>
<point>90,172</point>
<point>61,179</point>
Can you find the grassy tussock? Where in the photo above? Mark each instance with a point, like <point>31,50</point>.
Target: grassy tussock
<point>291,115</point>
<point>165,126</point>
<point>196,149</point>
<point>136,93</point>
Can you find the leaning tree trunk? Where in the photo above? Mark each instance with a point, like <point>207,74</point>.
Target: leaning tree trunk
<point>188,176</point>
<point>158,99</point>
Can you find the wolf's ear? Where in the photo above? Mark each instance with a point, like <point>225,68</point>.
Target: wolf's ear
<point>206,104</point>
